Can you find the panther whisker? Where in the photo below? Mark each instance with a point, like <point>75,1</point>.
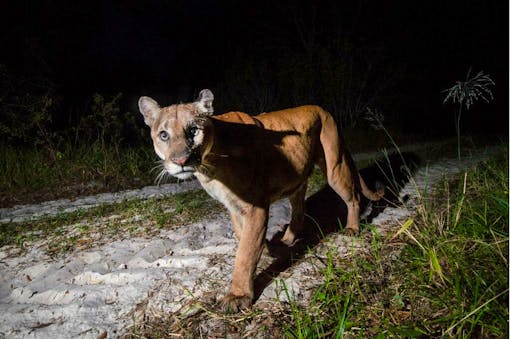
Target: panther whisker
<point>157,179</point>
<point>161,176</point>
<point>220,155</point>
<point>160,164</point>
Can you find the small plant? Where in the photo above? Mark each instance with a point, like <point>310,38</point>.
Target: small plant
<point>103,125</point>
<point>27,110</point>
<point>328,314</point>
<point>465,93</point>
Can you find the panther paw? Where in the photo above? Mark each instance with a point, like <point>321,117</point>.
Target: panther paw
<point>235,303</point>
<point>350,232</point>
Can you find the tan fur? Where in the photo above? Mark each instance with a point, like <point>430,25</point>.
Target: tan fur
<point>249,162</point>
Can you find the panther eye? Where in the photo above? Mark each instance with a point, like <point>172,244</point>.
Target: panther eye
<point>163,135</point>
<point>193,131</point>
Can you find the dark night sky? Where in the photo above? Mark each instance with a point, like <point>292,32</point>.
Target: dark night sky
<point>172,49</point>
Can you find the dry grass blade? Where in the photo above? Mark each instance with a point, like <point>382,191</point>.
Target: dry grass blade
<point>403,229</point>
<point>450,329</point>
<point>461,202</point>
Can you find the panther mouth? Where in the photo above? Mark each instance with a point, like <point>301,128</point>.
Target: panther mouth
<point>184,174</point>
<point>180,172</point>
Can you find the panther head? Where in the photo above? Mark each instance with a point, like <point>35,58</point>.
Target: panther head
<point>180,132</point>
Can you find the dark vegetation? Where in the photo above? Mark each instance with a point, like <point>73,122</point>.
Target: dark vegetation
<point>70,76</point>
<point>44,156</point>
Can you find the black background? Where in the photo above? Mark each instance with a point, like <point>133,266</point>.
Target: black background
<point>172,49</point>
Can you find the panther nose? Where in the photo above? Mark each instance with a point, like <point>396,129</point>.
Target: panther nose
<point>181,161</point>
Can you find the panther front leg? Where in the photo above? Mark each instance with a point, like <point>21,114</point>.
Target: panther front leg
<point>248,254</point>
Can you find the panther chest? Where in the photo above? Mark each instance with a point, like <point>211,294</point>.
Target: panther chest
<point>222,193</point>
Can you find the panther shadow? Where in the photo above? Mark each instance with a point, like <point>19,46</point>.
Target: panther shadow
<point>325,211</point>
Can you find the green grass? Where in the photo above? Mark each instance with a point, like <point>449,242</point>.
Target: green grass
<point>328,313</point>
<point>444,275</point>
<point>31,175</point>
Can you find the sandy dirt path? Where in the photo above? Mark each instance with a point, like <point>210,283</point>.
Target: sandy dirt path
<point>101,290</point>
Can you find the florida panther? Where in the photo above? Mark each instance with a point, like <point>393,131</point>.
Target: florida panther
<point>247,162</point>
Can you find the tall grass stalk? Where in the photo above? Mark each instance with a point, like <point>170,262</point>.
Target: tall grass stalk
<point>466,93</point>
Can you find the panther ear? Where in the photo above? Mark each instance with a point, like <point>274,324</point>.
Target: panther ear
<point>150,110</point>
<point>204,102</point>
